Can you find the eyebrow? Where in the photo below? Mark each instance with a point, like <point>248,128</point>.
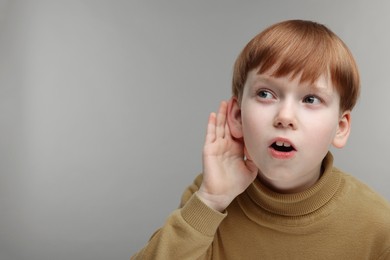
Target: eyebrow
<point>274,81</point>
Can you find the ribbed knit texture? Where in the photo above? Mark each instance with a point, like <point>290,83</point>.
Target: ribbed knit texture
<point>301,203</point>
<point>196,207</point>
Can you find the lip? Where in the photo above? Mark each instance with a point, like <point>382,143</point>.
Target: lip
<point>279,154</point>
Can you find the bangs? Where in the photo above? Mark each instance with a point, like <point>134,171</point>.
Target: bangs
<point>291,52</point>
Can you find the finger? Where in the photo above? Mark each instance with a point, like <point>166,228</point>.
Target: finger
<point>210,134</point>
<point>221,120</point>
<point>227,131</point>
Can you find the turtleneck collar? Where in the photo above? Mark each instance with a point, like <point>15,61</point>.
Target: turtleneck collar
<point>296,204</point>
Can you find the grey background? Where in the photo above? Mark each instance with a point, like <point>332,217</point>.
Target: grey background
<point>104,106</point>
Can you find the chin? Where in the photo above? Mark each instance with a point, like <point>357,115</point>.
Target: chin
<point>279,179</point>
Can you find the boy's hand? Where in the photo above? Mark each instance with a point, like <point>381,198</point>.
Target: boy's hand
<point>226,173</point>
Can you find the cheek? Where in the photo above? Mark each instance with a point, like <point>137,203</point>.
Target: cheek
<point>253,124</point>
<point>323,131</point>
<point>254,128</point>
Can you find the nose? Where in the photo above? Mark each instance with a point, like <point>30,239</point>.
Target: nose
<point>286,116</point>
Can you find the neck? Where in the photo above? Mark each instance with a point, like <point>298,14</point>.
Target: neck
<point>292,186</point>
<point>294,204</point>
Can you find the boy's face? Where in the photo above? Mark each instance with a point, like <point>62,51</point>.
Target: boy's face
<point>288,126</point>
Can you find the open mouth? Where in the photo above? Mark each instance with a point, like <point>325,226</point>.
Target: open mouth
<point>282,147</point>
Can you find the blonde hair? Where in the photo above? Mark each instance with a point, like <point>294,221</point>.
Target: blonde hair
<point>303,48</point>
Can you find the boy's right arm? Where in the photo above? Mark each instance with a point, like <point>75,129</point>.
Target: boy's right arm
<point>189,231</point>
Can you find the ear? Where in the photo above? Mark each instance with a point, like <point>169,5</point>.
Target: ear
<point>234,118</point>
<point>343,130</point>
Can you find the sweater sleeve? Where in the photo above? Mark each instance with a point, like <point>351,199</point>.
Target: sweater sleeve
<point>188,232</point>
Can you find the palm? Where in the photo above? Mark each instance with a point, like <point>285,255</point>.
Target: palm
<point>226,173</point>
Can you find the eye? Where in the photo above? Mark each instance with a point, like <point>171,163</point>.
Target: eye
<point>265,94</point>
<point>312,100</point>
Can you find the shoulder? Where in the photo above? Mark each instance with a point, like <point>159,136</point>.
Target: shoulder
<point>363,192</point>
<point>363,201</point>
<point>365,213</point>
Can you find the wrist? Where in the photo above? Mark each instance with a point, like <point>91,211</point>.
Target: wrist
<point>215,202</point>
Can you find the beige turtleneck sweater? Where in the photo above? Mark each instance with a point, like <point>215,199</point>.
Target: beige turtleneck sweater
<point>337,218</point>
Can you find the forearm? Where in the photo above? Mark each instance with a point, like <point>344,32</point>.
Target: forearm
<point>187,234</point>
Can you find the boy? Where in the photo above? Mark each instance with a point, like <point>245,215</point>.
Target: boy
<point>269,189</point>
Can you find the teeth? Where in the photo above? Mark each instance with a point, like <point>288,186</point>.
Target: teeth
<point>279,143</point>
